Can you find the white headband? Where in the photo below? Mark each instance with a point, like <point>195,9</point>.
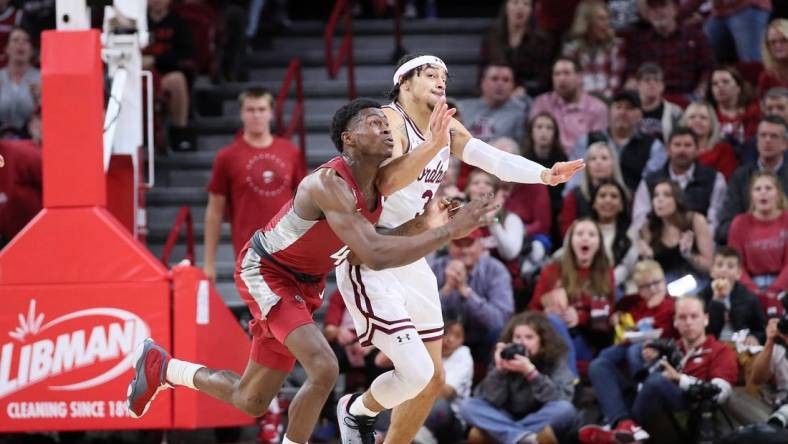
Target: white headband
<point>415,63</point>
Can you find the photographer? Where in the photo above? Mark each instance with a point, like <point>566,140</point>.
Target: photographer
<point>772,362</point>
<point>698,358</point>
<point>526,396</point>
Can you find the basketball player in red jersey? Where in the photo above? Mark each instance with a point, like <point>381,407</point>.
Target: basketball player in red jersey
<point>281,272</point>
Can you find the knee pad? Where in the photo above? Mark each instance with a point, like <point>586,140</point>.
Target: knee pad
<point>413,368</point>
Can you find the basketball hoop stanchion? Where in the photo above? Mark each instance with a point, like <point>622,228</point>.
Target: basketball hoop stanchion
<point>79,292</point>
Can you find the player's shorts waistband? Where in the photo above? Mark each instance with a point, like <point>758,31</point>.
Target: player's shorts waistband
<point>257,246</point>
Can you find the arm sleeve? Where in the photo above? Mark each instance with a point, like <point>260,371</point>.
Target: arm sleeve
<point>641,206</point>
<point>715,202</point>
<point>510,235</point>
<point>507,167</point>
<point>558,385</point>
<point>656,158</point>
<point>546,282</point>
<point>494,307</point>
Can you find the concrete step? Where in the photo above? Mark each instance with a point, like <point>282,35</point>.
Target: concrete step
<point>421,43</point>
<point>386,27</point>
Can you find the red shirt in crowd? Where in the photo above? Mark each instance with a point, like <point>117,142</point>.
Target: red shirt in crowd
<point>20,185</point>
<point>531,201</point>
<point>768,80</point>
<point>662,314</point>
<point>550,278</point>
<point>741,127</point>
<point>256,182</point>
<point>721,158</point>
<point>763,246</point>
<point>712,359</point>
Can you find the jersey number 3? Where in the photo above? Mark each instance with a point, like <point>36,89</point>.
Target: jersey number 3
<point>427,196</point>
<point>340,255</point>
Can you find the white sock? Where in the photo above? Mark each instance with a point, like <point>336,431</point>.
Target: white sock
<point>182,372</point>
<point>287,440</point>
<point>359,409</point>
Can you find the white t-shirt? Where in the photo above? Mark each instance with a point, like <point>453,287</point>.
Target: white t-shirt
<point>779,368</point>
<point>459,374</point>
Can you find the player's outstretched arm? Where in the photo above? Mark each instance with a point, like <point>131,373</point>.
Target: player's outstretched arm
<point>507,167</point>
<point>335,200</point>
<point>404,168</point>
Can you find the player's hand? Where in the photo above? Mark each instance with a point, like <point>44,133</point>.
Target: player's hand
<point>210,271</point>
<point>437,212</point>
<point>562,171</point>
<point>471,216</point>
<point>440,121</point>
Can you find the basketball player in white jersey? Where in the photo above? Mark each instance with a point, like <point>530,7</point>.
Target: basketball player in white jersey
<point>398,309</point>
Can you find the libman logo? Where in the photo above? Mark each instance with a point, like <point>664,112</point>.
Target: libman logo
<point>75,351</point>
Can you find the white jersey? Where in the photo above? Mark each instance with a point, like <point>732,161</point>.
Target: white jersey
<point>411,201</point>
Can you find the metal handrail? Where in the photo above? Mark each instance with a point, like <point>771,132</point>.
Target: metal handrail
<point>345,55</point>
<point>184,217</point>
<point>296,122</point>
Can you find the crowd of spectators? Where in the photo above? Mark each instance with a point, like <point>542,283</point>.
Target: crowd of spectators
<point>680,114</point>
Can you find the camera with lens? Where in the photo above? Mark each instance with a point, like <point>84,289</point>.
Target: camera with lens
<point>702,394</point>
<point>510,351</point>
<point>668,350</point>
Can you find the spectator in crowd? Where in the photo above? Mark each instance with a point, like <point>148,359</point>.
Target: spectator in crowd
<point>775,56</point>
<point>760,235</point>
<point>10,18</point>
<point>731,306</point>
<point>579,288</point>
<point>169,55</point>
<point>445,424</point>
<point>593,43</point>
<point>20,82</point>
<point>659,115</point>
<point>496,113</point>
<point>527,398</point>
<point>638,153</point>
<point>775,103</point>
<point>37,16</point>
<point>703,187</point>
<point>601,164</point>
<point>772,143</point>
<point>576,111</point>
<point>515,40</point>
<point>675,236</point>
<point>20,186</point>
<point>734,28</point>
<point>504,236</point>
<point>652,308</point>
<point>682,52</point>
<point>771,364</point>
<point>252,178</point>
<point>733,100</point>
<point>665,388</point>
<point>543,145</point>
<point>610,210</point>
<point>477,287</point>
<point>713,151</point>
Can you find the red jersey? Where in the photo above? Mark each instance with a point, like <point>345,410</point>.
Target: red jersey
<point>310,246</point>
<point>256,182</point>
<point>721,158</point>
<point>712,359</point>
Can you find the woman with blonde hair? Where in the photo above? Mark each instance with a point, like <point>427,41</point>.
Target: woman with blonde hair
<point>601,163</point>
<point>775,57</point>
<point>593,43</point>
<point>761,237</point>
<point>713,152</point>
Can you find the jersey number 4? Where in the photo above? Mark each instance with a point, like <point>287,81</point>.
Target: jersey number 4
<point>340,255</point>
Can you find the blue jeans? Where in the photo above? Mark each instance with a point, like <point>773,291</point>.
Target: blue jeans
<point>742,32</point>
<point>560,327</point>
<point>657,395</point>
<point>560,415</point>
<point>631,354</point>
